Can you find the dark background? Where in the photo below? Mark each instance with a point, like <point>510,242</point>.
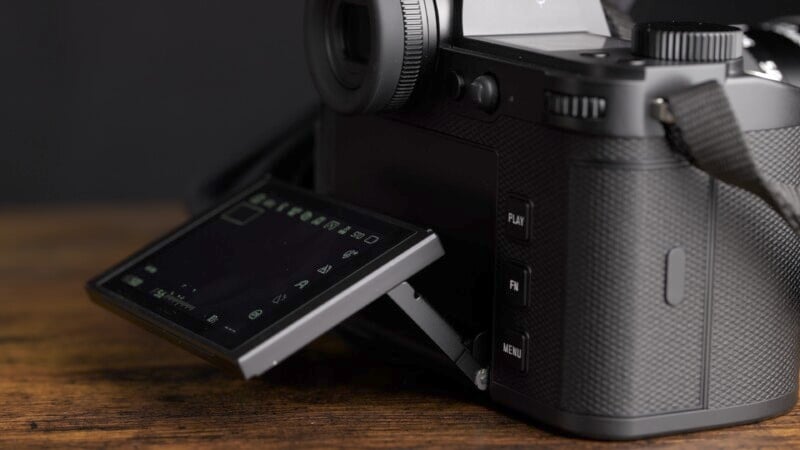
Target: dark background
<point>141,99</point>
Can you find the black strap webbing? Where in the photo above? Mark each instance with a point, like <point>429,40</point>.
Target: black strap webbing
<point>703,127</point>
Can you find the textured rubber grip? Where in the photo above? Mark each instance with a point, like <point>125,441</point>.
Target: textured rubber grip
<point>705,129</point>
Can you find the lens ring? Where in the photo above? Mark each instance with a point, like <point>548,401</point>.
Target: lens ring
<point>414,39</point>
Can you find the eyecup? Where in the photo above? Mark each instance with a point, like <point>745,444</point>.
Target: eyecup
<point>404,38</point>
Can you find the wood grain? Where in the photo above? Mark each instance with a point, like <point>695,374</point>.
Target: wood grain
<point>75,376</point>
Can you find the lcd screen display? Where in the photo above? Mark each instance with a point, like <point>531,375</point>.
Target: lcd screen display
<point>262,258</point>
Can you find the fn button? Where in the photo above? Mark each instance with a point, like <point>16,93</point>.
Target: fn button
<point>518,215</point>
<point>514,283</point>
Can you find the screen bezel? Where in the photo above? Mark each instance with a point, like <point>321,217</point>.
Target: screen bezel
<point>204,347</point>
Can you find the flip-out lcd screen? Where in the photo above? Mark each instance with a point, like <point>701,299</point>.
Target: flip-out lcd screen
<point>263,257</point>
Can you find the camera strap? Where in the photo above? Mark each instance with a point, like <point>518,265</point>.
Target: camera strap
<point>701,125</point>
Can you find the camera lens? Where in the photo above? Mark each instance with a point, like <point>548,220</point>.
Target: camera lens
<point>367,56</point>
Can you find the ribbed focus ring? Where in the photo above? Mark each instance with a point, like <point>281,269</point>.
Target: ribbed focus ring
<point>414,26</point>
<point>688,42</point>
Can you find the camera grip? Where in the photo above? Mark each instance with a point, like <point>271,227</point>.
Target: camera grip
<point>701,124</point>
<point>628,351</point>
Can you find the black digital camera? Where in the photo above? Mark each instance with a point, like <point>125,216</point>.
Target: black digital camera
<point>629,289</point>
<point>601,232</point>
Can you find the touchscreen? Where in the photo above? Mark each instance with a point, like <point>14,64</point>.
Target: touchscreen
<point>267,256</point>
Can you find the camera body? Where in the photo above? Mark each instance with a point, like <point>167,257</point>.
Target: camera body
<point>624,292</point>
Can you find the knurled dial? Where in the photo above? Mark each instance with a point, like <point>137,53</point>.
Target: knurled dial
<point>688,42</point>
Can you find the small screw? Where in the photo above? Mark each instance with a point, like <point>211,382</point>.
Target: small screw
<point>482,379</point>
<point>661,111</point>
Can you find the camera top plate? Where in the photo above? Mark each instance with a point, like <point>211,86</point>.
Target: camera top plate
<point>257,278</point>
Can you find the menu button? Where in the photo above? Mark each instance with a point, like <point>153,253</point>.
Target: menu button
<point>512,350</point>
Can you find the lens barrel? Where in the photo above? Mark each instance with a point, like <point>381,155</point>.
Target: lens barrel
<point>368,56</point>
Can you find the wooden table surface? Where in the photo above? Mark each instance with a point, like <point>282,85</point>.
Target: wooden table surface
<point>73,375</point>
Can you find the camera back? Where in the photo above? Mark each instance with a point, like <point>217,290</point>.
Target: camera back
<point>624,292</point>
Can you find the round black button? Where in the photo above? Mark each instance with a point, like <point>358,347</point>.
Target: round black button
<point>454,83</point>
<point>484,93</point>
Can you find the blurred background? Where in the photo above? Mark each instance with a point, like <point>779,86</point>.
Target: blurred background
<point>105,100</point>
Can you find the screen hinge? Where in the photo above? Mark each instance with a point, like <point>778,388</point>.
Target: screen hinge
<point>442,334</point>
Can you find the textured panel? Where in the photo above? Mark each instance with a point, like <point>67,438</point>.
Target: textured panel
<point>627,352</point>
<point>531,163</point>
<point>776,151</point>
<point>756,311</point>
<point>532,169</point>
<point>553,168</point>
<point>603,340</point>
